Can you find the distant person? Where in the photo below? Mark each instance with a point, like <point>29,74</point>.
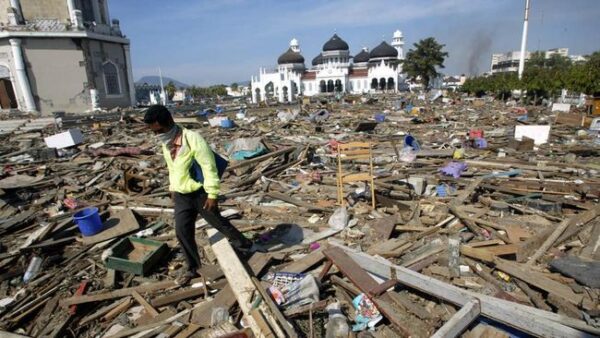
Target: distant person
<point>180,147</point>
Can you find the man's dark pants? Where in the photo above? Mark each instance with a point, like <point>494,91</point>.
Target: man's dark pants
<point>187,208</point>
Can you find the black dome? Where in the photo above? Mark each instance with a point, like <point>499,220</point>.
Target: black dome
<point>317,60</point>
<point>335,43</point>
<point>290,57</point>
<point>384,50</point>
<point>363,56</point>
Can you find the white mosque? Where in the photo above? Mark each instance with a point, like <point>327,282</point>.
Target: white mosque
<point>334,70</point>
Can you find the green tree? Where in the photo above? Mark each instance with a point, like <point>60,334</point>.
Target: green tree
<point>170,88</point>
<point>585,77</point>
<point>234,86</point>
<point>424,60</point>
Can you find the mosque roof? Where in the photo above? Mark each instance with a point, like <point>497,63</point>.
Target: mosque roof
<point>363,56</point>
<point>290,57</point>
<point>335,44</point>
<point>384,50</point>
<point>317,60</point>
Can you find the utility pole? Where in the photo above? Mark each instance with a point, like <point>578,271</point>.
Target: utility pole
<point>524,41</point>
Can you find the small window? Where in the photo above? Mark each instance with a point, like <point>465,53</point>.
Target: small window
<point>111,79</point>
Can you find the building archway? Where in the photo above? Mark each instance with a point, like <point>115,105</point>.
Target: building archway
<point>8,100</point>
<point>390,84</point>
<point>330,86</point>
<point>338,86</point>
<point>285,93</point>
<point>374,83</point>
<point>322,86</point>
<point>257,91</point>
<point>269,90</point>
<point>382,84</point>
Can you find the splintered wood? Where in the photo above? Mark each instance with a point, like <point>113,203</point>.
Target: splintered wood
<point>473,232</point>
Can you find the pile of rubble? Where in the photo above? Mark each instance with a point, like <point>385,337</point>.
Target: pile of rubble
<point>485,224</point>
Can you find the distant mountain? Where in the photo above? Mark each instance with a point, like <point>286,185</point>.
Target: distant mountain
<point>155,80</point>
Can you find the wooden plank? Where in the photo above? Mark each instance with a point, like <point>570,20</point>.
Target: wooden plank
<point>527,319</point>
<point>188,331</point>
<point>485,243</point>
<point>149,309</point>
<point>295,201</point>
<point>101,312</point>
<point>155,324</point>
<point>112,314</point>
<point>592,248</point>
<point>241,284</point>
<point>405,302</point>
<point>365,283</point>
<point>224,298</point>
<point>117,293</point>
<point>534,296</point>
<point>578,220</point>
<point>262,323</point>
<point>305,263</point>
<point>477,253</point>
<point>177,296</point>
<point>460,321</point>
<point>463,195</point>
<point>289,329</point>
<point>502,250</point>
<point>299,310</point>
<point>384,227</point>
<point>538,280</point>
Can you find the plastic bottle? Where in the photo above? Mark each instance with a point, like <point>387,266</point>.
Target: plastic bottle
<point>337,327</point>
<point>32,269</point>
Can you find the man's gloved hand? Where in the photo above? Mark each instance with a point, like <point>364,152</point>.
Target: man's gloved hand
<point>210,204</point>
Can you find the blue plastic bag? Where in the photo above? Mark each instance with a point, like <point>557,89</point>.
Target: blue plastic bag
<point>196,170</point>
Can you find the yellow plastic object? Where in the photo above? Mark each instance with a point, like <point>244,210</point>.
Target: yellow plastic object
<point>458,154</point>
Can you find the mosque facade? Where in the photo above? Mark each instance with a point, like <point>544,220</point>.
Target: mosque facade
<point>333,71</point>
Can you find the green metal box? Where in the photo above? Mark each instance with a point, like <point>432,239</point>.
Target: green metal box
<point>136,255</point>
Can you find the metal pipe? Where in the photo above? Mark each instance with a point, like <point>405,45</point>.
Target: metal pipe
<point>524,40</point>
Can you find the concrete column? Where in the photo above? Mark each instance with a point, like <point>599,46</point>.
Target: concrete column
<point>129,74</point>
<point>21,75</point>
<point>290,93</point>
<point>16,4</point>
<point>253,92</point>
<point>71,8</point>
<point>75,15</point>
<point>106,12</point>
<point>96,10</point>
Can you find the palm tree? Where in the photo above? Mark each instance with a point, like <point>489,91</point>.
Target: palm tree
<point>424,60</point>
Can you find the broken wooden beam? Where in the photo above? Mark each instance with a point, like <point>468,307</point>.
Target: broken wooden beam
<point>578,220</point>
<point>151,287</point>
<point>527,319</point>
<point>241,284</point>
<point>460,321</point>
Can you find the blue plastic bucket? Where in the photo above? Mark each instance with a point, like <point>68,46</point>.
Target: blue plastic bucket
<point>226,123</point>
<point>88,220</point>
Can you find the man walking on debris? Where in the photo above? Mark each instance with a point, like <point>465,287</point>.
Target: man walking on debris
<point>180,148</point>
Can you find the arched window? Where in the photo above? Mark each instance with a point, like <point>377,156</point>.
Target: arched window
<point>374,84</point>
<point>111,78</point>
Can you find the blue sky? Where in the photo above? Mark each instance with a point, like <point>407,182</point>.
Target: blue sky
<point>222,41</point>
